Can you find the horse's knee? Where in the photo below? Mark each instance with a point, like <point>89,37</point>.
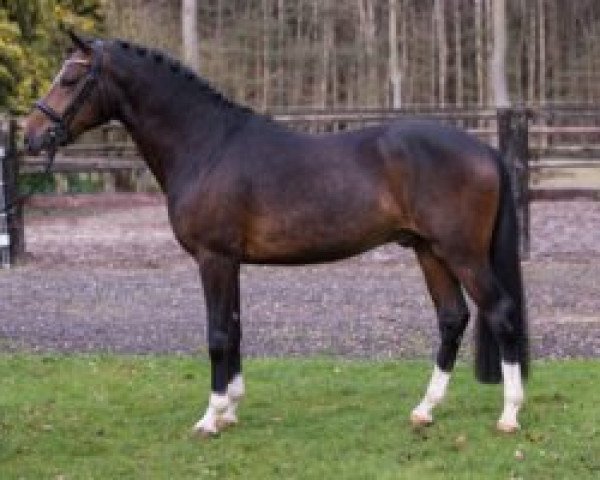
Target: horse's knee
<point>499,317</point>
<point>452,324</point>
<point>501,322</point>
<point>218,344</point>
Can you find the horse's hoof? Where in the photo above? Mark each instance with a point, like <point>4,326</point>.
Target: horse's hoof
<point>204,433</point>
<point>226,422</point>
<point>205,430</point>
<point>508,428</point>
<point>418,420</point>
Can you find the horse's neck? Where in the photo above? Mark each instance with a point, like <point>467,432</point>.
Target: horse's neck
<point>175,134</point>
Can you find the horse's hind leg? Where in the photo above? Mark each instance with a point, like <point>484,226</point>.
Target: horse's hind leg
<point>453,315</point>
<point>496,309</point>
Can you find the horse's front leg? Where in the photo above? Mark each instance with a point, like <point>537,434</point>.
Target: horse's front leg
<point>220,280</point>
<point>235,386</point>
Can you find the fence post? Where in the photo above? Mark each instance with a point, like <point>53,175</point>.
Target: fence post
<point>12,233</point>
<point>513,142</point>
<point>4,237</point>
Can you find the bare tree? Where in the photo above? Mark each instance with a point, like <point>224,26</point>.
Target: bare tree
<point>442,49</point>
<point>479,52</point>
<point>407,87</point>
<point>266,80</point>
<point>458,60</point>
<point>394,69</point>
<point>531,54</point>
<point>378,52</point>
<point>189,34</point>
<point>542,44</point>
<point>328,42</point>
<point>498,59</point>
<point>367,29</point>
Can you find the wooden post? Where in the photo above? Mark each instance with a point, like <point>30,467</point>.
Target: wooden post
<point>4,237</point>
<point>513,142</point>
<point>12,231</point>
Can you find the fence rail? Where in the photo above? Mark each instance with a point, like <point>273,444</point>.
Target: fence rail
<point>532,141</point>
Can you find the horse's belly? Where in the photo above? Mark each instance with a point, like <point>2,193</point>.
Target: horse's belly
<point>288,242</point>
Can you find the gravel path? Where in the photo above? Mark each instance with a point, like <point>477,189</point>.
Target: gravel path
<point>106,277</point>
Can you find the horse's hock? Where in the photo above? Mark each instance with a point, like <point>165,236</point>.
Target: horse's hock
<point>12,237</point>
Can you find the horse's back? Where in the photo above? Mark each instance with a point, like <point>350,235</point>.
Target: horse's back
<point>431,143</point>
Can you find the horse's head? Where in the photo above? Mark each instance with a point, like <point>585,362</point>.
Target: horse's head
<point>72,105</point>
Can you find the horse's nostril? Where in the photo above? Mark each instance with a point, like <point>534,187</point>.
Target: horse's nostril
<point>30,144</point>
<point>27,142</point>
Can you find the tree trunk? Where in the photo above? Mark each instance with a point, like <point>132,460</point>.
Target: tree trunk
<point>498,58</point>
<point>542,43</point>
<point>298,63</point>
<point>219,39</point>
<point>442,50</point>
<point>265,56</point>
<point>327,23</point>
<point>394,70</point>
<point>189,33</point>
<point>458,53</point>
<point>282,97</point>
<point>479,53</point>
<point>531,54</point>
<point>367,23</point>
<point>405,66</point>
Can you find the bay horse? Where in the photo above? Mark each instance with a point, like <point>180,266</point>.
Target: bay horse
<point>242,189</point>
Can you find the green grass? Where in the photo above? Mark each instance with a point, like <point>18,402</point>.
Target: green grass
<point>107,417</point>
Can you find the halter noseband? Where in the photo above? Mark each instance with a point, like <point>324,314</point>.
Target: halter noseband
<point>59,133</point>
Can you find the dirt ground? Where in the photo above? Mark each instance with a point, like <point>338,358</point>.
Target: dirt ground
<point>104,273</point>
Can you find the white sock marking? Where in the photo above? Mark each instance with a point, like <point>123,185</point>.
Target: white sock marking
<point>235,392</point>
<point>513,396</point>
<point>433,396</point>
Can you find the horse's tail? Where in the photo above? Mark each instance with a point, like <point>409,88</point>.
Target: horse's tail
<point>504,257</point>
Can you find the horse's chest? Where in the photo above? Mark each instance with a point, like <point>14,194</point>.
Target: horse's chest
<point>207,226</point>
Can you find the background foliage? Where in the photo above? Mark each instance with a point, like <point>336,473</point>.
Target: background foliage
<point>329,53</point>
<point>32,44</point>
<point>339,53</point>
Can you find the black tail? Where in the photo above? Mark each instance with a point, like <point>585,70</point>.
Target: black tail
<point>504,256</point>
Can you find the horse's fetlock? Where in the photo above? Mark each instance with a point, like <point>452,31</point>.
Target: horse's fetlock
<point>236,388</point>
<point>499,318</point>
<point>219,402</point>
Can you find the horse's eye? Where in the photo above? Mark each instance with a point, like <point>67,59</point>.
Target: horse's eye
<point>69,81</point>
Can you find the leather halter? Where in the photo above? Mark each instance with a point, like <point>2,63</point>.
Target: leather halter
<point>60,134</point>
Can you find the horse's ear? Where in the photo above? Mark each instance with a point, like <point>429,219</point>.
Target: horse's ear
<point>78,41</point>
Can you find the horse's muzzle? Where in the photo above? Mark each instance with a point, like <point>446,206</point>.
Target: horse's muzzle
<point>49,141</point>
<point>33,144</point>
